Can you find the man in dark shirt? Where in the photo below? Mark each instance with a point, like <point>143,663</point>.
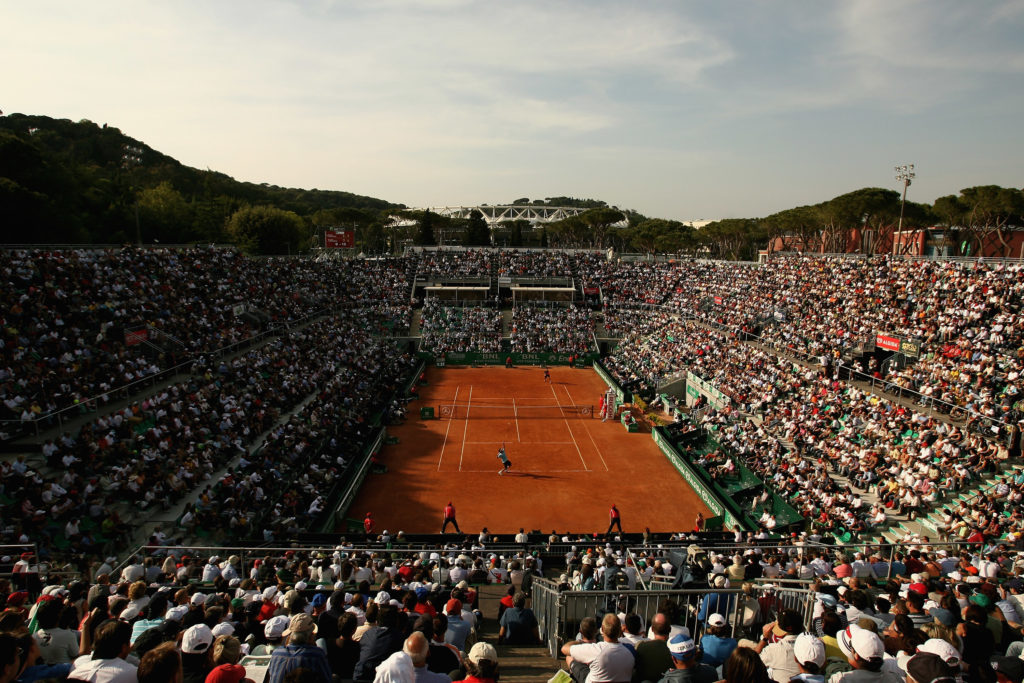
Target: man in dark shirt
<point>379,643</point>
<point>301,652</point>
<point>518,623</point>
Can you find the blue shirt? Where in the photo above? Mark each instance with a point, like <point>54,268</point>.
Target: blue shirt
<point>712,603</point>
<point>425,675</point>
<point>717,649</point>
<point>290,657</point>
<point>458,631</point>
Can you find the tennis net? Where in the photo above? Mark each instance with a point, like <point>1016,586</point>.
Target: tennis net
<point>483,411</point>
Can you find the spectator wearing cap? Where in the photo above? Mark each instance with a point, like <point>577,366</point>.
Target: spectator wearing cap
<point>379,642</point>
<point>518,623</point>
<point>865,653</point>
<point>776,646</point>
<point>458,628</point>
<point>273,634</point>
<point>196,659</point>
<point>686,663</point>
<point>482,664</point>
<point>300,651</point>
<point>1008,669</point>
<point>609,660</point>
<point>716,644</point>
<point>925,667</point>
<point>809,653</point>
<point>107,662</point>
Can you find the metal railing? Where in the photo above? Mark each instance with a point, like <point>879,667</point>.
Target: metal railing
<point>559,613</point>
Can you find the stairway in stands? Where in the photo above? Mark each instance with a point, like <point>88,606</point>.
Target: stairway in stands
<point>517,662</point>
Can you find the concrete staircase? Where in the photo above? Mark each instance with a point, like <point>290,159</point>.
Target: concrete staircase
<point>518,663</point>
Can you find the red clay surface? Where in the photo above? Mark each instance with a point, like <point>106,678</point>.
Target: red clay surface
<point>566,472</point>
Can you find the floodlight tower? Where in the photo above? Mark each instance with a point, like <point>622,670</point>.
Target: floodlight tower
<point>904,174</point>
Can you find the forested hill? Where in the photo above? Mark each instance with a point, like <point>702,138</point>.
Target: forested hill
<point>63,181</point>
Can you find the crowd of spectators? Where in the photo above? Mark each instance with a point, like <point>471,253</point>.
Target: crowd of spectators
<point>65,314</point>
<point>545,264</point>
<point>552,329</point>
<point>157,451</point>
<point>341,613</point>
<point>459,328</point>
<point>454,263</point>
<point>916,613</point>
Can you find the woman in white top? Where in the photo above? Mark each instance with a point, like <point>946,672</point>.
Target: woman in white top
<point>57,643</point>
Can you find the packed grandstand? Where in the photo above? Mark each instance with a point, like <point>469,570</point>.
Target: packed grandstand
<point>848,404</point>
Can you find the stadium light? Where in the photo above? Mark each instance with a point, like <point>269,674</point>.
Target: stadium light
<point>131,158</point>
<point>904,174</point>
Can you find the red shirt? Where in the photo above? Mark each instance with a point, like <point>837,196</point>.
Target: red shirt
<point>449,511</point>
<point>614,512</point>
<point>368,524</point>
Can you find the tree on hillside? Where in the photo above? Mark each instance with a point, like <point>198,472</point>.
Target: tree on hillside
<point>164,215</point>
<point>874,210</point>
<point>660,235</point>
<point>732,238</point>
<point>425,236</point>
<point>478,233</point>
<point>598,222</point>
<point>268,230</point>
<point>798,229</point>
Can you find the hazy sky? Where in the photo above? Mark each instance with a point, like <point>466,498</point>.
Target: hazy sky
<point>676,109</point>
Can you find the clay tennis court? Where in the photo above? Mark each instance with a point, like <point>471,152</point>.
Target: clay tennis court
<point>567,468</point>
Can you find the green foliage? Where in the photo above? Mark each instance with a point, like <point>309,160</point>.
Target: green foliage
<point>66,181</point>
<point>478,233</point>
<point>268,230</point>
<point>657,235</point>
<point>165,216</point>
<point>426,236</point>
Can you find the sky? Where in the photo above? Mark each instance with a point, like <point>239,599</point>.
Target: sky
<point>676,109</point>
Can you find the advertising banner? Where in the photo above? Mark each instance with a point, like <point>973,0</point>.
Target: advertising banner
<point>884,341</point>
<point>136,337</point>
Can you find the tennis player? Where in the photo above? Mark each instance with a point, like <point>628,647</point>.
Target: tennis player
<point>507,464</point>
<point>547,375</point>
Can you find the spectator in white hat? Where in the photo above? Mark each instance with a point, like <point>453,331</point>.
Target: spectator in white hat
<point>809,653</point>
<point>716,642</point>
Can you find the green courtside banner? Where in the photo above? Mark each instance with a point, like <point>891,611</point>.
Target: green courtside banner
<point>620,395</point>
<point>718,509</point>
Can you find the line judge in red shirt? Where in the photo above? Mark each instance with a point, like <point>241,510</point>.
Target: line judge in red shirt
<point>449,518</point>
<point>368,524</point>
<point>615,520</point>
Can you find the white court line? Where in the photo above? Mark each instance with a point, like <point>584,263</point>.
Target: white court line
<point>515,413</point>
<point>586,427</point>
<point>566,421</point>
<point>466,428</point>
<point>514,470</point>
<point>494,443</point>
<point>445,442</point>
